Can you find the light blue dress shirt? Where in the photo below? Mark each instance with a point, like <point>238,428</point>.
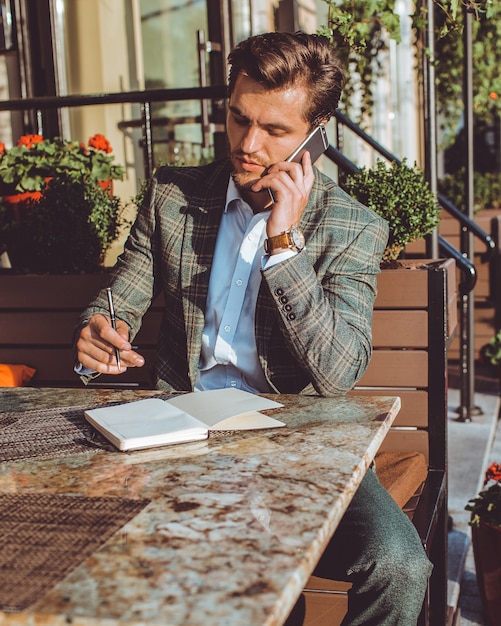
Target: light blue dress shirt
<point>229,355</point>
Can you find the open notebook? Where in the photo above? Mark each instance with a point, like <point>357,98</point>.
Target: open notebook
<point>187,417</point>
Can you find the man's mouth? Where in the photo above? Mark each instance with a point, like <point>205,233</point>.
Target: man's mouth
<point>250,165</point>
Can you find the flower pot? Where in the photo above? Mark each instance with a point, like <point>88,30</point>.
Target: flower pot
<point>486,540</point>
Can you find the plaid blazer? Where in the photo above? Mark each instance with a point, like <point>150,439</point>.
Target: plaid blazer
<point>313,313</point>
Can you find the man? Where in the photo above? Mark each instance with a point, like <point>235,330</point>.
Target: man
<point>268,296</point>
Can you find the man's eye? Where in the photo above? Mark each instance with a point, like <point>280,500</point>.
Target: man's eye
<point>275,132</point>
<point>241,121</point>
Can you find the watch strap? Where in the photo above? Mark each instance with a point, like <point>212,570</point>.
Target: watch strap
<point>278,241</point>
<point>292,239</point>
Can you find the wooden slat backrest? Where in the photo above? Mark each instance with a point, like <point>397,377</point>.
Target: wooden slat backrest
<point>37,317</point>
<point>411,331</point>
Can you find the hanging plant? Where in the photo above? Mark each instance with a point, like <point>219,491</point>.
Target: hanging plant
<point>486,55</point>
<point>360,31</point>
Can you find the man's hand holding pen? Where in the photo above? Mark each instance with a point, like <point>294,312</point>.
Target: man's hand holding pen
<point>98,341</point>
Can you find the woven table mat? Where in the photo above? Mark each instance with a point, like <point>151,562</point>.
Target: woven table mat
<point>44,537</point>
<point>46,433</point>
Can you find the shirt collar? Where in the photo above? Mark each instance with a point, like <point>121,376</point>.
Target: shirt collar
<point>232,193</point>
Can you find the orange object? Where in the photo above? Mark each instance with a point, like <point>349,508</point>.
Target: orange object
<point>15,375</point>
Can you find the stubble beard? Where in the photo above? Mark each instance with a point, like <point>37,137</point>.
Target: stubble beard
<point>243,181</point>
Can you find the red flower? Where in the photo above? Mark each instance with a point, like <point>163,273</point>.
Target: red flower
<point>493,473</point>
<point>99,142</point>
<point>29,140</point>
<point>2,148</point>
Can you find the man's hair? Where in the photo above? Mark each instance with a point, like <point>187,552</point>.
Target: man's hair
<point>280,60</point>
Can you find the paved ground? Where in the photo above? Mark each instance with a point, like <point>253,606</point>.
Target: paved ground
<point>469,599</point>
<point>472,447</point>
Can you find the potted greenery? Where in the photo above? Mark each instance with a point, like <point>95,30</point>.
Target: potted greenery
<point>64,216</point>
<point>402,196</point>
<point>486,539</point>
<point>68,230</point>
<point>27,166</point>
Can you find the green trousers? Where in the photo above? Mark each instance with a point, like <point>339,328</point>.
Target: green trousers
<point>377,549</point>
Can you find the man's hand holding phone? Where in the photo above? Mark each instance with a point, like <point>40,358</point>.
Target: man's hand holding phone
<point>289,182</point>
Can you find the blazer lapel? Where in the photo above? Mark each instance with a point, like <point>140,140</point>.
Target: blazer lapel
<point>203,215</point>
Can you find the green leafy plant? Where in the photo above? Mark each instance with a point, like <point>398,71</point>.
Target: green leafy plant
<point>486,507</point>
<point>66,216</point>
<point>360,31</point>
<point>402,196</point>
<point>486,59</point>
<point>26,166</point>
<point>486,189</point>
<point>68,230</point>
<point>491,351</point>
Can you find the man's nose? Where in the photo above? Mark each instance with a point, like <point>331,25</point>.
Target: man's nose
<point>251,140</point>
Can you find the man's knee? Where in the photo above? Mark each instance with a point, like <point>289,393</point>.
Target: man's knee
<point>407,567</point>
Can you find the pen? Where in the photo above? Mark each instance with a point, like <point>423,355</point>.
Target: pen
<point>113,321</point>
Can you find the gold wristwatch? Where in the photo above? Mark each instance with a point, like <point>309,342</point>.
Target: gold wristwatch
<point>292,239</point>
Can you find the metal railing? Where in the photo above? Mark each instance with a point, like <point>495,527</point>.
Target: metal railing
<point>144,98</point>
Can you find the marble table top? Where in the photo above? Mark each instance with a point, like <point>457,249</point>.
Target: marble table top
<point>235,523</point>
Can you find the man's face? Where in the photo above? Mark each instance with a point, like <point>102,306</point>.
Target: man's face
<point>263,127</point>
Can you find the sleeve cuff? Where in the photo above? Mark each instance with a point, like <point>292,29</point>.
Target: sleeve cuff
<point>86,374</point>
<point>269,260</point>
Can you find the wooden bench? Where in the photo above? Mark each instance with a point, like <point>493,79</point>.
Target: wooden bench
<point>38,315</point>
<point>414,321</point>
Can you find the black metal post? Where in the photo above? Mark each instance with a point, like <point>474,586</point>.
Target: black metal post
<point>467,409</point>
<point>430,120</point>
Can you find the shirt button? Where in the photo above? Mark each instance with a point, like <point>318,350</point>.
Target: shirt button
<point>284,299</point>
<point>227,329</point>
<point>279,292</point>
<point>239,282</point>
<point>233,383</point>
<point>291,316</point>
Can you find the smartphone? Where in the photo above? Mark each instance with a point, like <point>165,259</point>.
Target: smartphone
<point>316,143</point>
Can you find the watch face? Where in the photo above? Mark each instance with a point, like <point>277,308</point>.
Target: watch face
<point>297,238</point>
